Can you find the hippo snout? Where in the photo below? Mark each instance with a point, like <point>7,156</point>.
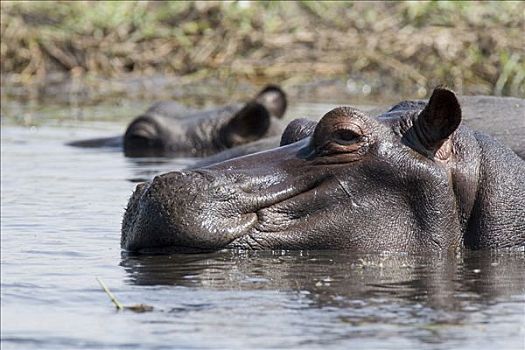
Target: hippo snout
<point>182,210</point>
<point>148,217</point>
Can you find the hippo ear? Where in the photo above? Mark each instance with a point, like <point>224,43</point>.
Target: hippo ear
<point>274,99</point>
<point>249,124</point>
<point>440,118</point>
<point>297,130</point>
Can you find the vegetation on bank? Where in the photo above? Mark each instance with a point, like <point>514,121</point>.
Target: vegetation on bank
<point>473,47</point>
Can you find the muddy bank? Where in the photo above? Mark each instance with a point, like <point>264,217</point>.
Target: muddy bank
<point>364,48</point>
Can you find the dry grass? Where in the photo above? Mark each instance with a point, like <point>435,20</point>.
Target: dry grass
<point>410,46</point>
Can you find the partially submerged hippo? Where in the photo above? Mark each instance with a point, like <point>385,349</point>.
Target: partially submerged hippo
<point>412,180</point>
<point>293,132</point>
<point>500,117</point>
<point>168,129</point>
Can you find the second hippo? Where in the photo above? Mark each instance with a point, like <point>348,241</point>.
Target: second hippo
<point>500,117</point>
<point>168,129</point>
<point>410,180</point>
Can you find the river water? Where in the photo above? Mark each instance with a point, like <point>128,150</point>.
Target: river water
<point>61,209</point>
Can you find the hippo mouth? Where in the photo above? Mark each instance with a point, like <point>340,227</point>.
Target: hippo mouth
<point>201,223</point>
<point>279,222</point>
<point>289,199</point>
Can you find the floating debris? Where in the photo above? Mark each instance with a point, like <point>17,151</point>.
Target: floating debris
<point>119,306</point>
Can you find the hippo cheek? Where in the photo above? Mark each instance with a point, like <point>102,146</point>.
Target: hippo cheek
<point>301,221</point>
<point>332,214</point>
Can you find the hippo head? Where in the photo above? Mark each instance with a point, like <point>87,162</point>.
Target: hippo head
<point>166,130</point>
<point>408,180</point>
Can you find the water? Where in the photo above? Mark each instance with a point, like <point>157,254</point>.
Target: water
<point>61,212</point>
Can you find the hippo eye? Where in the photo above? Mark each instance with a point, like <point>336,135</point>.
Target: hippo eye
<point>345,137</point>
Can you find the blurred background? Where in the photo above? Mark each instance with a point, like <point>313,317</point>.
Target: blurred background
<point>84,53</point>
<point>80,70</point>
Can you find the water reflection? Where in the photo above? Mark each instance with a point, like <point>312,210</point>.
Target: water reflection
<point>60,228</point>
<point>144,169</point>
<point>340,279</point>
<point>343,298</point>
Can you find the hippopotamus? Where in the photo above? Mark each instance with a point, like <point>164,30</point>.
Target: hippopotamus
<point>168,129</point>
<point>293,131</point>
<point>413,179</point>
<point>501,117</point>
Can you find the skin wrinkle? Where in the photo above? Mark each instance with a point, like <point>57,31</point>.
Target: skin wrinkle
<point>263,210</point>
<point>496,201</point>
<point>262,228</point>
<point>326,149</point>
<point>275,232</point>
<point>343,187</point>
<point>465,180</point>
<point>393,198</point>
<point>260,241</point>
<point>407,230</point>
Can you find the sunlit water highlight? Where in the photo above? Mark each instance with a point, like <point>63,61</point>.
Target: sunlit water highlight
<point>61,209</point>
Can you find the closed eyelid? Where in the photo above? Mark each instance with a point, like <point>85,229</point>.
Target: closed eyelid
<point>351,126</point>
<point>346,136</point>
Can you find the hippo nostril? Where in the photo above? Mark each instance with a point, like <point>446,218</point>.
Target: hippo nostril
<point>142,187</point>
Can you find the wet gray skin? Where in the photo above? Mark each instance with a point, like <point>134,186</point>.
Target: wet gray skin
<point>411,180</point>
<point>500,117</point>
<point>293,132</point>
<point>168,129</point>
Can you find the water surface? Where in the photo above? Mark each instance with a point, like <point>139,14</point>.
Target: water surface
<point>61,209</point>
